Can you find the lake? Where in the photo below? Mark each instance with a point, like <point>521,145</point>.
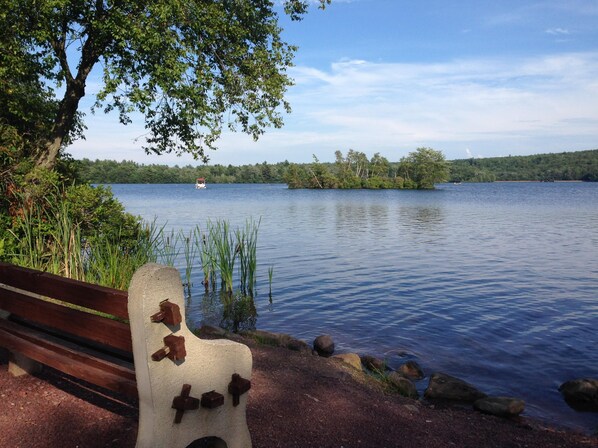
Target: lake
<point>496,283</point>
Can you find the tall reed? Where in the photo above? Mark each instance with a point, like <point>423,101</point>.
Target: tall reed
<point>203,245</point>
<point>190,253</point>
<point>65,244</point>
<point>247,250</point>
<point>49,240</point>
<point>32,251</point>
<point>225,252</point>
<point>270,274</point>
<point>169,249</point>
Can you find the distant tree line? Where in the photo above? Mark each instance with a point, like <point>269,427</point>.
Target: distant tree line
<point>353,170</point>
<point>579,165</point>
<point>128,172</point>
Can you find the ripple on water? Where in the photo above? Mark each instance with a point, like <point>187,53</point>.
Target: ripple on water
<point>495,283</point>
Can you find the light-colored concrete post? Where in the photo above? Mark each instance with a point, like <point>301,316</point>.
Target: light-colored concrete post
<point>206,366</point>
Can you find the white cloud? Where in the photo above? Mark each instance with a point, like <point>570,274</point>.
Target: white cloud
<point>385,106</point>
<point>557,31</point>
<point>497,106</point>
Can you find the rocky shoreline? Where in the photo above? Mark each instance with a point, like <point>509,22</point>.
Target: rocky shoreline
<point>296,400</point>
<point>580,394</point>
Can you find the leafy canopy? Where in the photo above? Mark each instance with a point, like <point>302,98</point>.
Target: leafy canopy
<point>189,66</point>
<point>425,167</point>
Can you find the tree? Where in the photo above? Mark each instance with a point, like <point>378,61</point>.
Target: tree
<point>425,167</point>
<point>184,65</point>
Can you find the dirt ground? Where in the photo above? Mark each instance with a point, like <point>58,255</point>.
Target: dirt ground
<point>295,401</point>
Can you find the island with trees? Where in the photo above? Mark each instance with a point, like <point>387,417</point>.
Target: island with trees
<point>421,169</point>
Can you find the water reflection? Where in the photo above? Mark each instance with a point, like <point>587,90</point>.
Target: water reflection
<point>496,282</point>
<point>359,217</point>
<point>421,218</point>
<point>236,312</point>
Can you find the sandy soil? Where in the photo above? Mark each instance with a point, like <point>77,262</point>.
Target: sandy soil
<point>295,401</point>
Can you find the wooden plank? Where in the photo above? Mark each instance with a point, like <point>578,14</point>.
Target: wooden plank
<point>82,365</point>
<point>69,320</point>
<point>107,300</point>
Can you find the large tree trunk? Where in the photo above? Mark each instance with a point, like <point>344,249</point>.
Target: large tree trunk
<point>75,90</point>
<point>65,118</point>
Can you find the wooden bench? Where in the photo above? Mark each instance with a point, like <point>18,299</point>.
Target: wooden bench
<point>75,327</point>
<point>135,344</point>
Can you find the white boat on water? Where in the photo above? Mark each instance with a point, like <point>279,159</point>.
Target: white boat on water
<point>200,183</point>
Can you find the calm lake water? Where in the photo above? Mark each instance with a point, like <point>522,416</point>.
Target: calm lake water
<point>494,283</point>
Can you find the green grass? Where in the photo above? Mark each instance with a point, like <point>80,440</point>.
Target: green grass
<point>49,240</point>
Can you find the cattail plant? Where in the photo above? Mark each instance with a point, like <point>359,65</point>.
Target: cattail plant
<point>170,249</point>
<point>189,251</point>
<point>224,249</point>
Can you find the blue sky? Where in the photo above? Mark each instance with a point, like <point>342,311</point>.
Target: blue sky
<point>468,78</point>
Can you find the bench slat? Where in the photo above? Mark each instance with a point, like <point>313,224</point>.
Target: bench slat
<point>90,326</point>
<point>107,300</point>
<point>82,365</point>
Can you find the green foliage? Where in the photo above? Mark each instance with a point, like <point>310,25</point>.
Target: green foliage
<point>99,214</point>
<point>352,171</point>
<point>104,248</point>
<point>125,172</point>
<point>186,66</point>
<point>579,165</point>
<point>424,167</point>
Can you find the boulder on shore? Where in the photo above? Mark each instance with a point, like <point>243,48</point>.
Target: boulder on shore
<point>277,340</point>
<point>324,345</point>
<point>446,387</point>
<point>351,359</point>
<point>403,385</point>
<point>373,364</point>
<point>411,370</point>
<point>500,406</point>
<point>581,394</point>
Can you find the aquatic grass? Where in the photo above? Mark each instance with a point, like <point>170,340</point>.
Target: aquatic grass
<point>169,249</point>
<point>51,241</point>
<point>247,250</point>
<point>111,264</point>
<point>270,275</point>
<point>225,251</point>
<point>203,245</point>
<point>238,313</point>
<point>190,253</point>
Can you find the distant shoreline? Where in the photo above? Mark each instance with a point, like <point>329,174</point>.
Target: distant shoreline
<point>532,181</point>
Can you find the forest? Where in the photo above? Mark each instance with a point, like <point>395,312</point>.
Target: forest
<point>565,166</point>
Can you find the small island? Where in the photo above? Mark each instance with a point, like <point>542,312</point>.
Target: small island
<point>420,170</point>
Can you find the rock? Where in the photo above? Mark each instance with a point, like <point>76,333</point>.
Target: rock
<point>411,370</point>
<point>352,359</point>
<point>211,331</point>
<point>402,385</point>
<point>277,340</point>
<point>500,406</point>
<point>411,408</point>
<point>581,394</point>
<point>324,345</point>
<point>446,387</point>
<point>298,345</point>
<point>264,337</point>
<point>373,364</point>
